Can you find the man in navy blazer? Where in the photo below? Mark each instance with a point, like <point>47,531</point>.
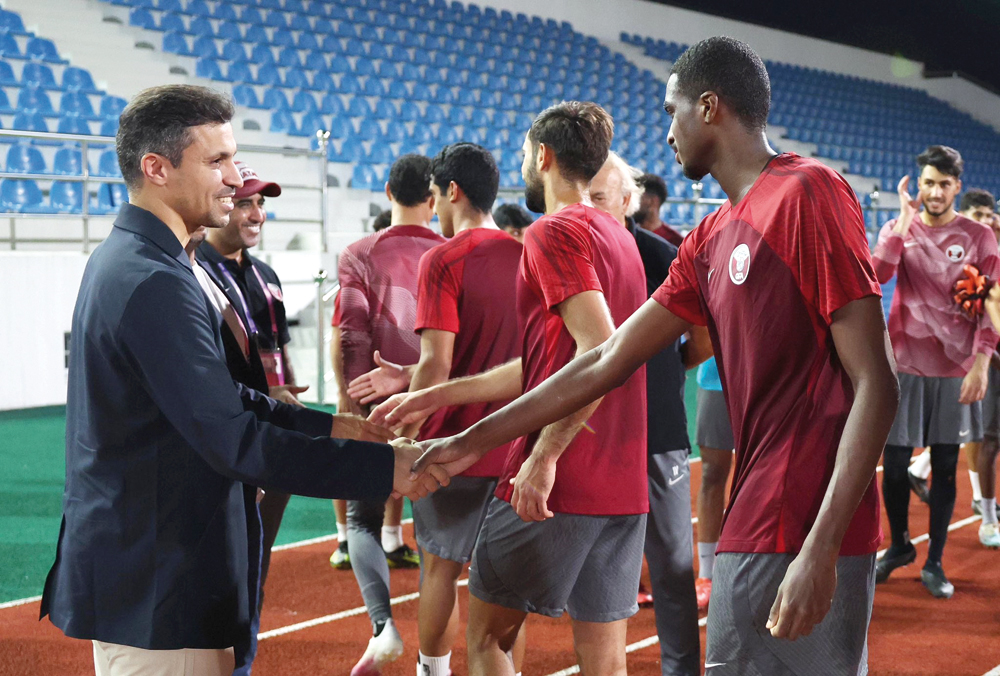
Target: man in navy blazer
<point>154,563</point>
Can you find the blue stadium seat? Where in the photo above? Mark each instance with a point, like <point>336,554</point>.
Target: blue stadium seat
<point>447,135</point>
<point>349,84</point>
<point>282,38</point>
<point>9,46</point>
<point>386,110</point>
<point>339,64</point>
<point>19,195</point>
<point>169,6</point>
<point>239,71</point>
<point>421,134</point>
<point>332,104</point>
<point>315,8</point>
<point>112,106</point>
<point>208,68</point>
<point>141,17</point>
<point>38,75</point>
<point>351,150</point>
<point>289,58</point>
<point>276,19</point>
<point>296,78</point>
<point>204,48</point>
<point>107,164</point>
<point>304,102</point>
<point>369,130</point>
<point>33,99</point>
<point>311,123</point>
<point>355,47</point>
<point>109,127</point>
<point>433,114</point>
<point>76,103</point>
<point>172,23</point>
<point>457,117</point>
<point>40,49</point>
<point>466,97</point>
<point>364,177</point>
<point>323,82</point>
<point>234,51</point>
<point>394,132</point>
<point>380,153</point>
<point>251,15</point>
<point>398,90</point>
<point>199,8</point>
<point>316,60</point>
<point>471,135</point>
<point>262,55</point>
<point>269,4</point>
<point>409,112</point>
<point>275,99</point>
<point>225,12</point>
<point>25,159</point>
<point>323,27</point>
<point>421,92</point>
<point>229,31</point>
<point>110,198</point>
<point>359,107</point>
<point>66,197</point>
<point>269,75</point>
<point>480,118</point>
<point>256,33</point>
<point>245,95</point>
<point>307,41</point>
<point>7,78</point>
<point>176,43</point>
<point>68,162</point>
<point>374,87</point>
<point>11,22</point>
<point>283,122</point>
<point>340,128</point>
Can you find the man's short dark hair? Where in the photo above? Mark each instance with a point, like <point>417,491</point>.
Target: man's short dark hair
<point>579,133</point>
<point>733,71</point>
<point>944,159</point>
<point>652,184</point>
<point>512,216</point>
<point>158,120</point>
<point>974,197</point>
<point>382,221</point>
<point>410,180</point>
<point>472,168</point>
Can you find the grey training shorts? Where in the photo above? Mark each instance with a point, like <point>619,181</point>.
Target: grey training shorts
<point>588,565</point>
<point>744,587</point>
<point>929,413</point>
<point>447,522</point>
<point>712,426</point>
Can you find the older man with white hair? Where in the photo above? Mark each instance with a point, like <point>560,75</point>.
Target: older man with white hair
<point>669,547</point>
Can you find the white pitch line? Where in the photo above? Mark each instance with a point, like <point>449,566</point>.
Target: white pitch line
<point>995,671</point>
<point>319,540</point>
<point>20,602</point>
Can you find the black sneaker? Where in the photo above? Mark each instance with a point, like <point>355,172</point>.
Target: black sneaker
<point>919,487</point>
<point>404,557</point>
<point>937,584</point>
<point>341,558</point>
<point>891,561</point>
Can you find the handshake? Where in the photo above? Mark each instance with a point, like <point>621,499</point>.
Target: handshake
<point>420,467</point>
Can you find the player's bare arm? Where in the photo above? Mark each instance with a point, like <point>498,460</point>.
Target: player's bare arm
<point>974,383</point>
<point>588,377</point>
<point>345,404</point>
<point>385,380</point>
<point>498,384</point>
<point>862,344</point>
<point>434,367</point>
<point>697,348</point>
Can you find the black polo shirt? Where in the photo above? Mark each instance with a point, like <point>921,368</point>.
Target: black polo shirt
<point>249,289</point>
<point>665,372</point>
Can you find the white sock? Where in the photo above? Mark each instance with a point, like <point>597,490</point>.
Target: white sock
<point>433,666</point>
<point>706,559</point>
<point>921,466</point>
<point>977,492</point>
<point>341,532</point>
<point>392,538</point>
<point>989,506</point>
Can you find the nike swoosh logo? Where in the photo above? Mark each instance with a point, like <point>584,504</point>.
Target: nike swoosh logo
<point>963,433</point>
<point>710,275</point>
<point>709,665</point>
<point>671,482</point>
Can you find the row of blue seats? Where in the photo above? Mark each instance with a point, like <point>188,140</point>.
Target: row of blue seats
<point>68,161</point>
<point>37,49</point>
<point>65,197</point>
<point>378,15</point>
<point>68,124</point>
<point>10,22</point>
<point>34,74</point>
<point>74,104</point>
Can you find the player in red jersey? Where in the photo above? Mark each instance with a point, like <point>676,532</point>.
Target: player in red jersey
<point>572,501</point>
<point>782,276</point>
<point>467,321</point>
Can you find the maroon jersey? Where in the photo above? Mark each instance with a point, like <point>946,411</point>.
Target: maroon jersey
<point>603,470</point>
<point>378,297</point>
<point>467,288</point>
<point>669,234</point>
<point>766,276</point>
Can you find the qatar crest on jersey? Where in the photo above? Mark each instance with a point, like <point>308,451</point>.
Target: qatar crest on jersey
<point>739,264</point>
<point>955,253</point>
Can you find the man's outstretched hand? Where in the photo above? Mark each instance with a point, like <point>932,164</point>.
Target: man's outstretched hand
<point>451,454</point>
<point>349,426</point>
<point>405,482</point>
<point>384,380</point>
<point>407,408</point>
<point>804,597</point>
<point>288,394</point>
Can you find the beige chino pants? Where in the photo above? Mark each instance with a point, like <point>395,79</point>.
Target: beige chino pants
<point>111,659</point>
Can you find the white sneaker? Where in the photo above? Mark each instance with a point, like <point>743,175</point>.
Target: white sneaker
<point>989,535</point>
<point>382,649</point>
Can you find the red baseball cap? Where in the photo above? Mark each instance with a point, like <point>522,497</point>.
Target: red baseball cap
<point>253,185</point>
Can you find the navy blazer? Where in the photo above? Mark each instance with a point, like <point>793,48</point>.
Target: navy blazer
<point>160,441</point>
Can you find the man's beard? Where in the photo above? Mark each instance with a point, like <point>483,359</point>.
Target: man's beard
<point>641,215</point>
<point>534,192</point>
<point>944,209</point>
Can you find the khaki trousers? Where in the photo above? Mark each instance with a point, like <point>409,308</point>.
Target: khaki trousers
<point>111,659</point>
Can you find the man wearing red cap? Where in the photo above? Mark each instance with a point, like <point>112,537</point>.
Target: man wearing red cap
<point>257,298</point>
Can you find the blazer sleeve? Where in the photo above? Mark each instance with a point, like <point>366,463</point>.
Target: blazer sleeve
<point>168,335</point>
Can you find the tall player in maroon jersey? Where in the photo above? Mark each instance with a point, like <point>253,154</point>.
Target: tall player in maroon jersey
<point>467,321</point>
<point>782,276</point>
<point>566,529</point>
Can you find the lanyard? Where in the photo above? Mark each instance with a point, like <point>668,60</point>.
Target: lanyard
<point>239,294</point>
<point>270,305</point>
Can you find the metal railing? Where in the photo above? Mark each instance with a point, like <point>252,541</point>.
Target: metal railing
<point>87,179</point>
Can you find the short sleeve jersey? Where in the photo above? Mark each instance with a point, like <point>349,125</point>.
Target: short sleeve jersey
<point>578,249</point>
<point>467,288</point>
<point>378,297</point>
<point>766,277</point>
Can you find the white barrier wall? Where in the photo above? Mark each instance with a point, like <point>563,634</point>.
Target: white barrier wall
<point>37,294</point>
